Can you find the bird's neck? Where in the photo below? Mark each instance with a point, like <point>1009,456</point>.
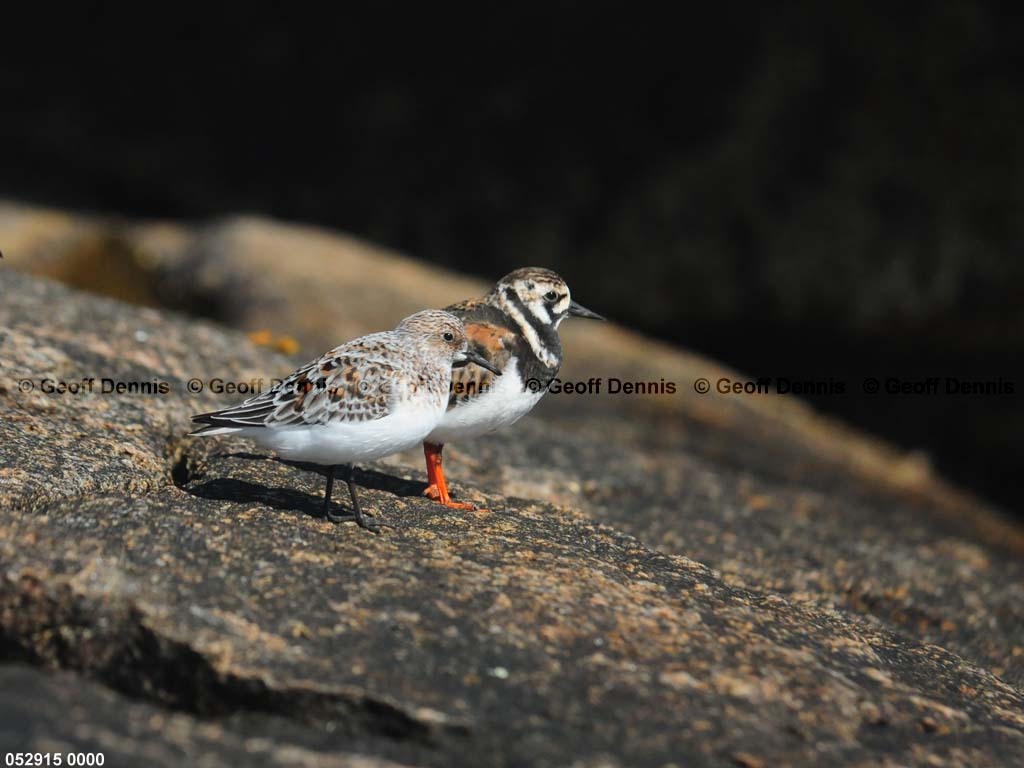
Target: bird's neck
<point>540,334</point>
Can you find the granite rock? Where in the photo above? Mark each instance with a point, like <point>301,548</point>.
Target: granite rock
<point>676,581</point>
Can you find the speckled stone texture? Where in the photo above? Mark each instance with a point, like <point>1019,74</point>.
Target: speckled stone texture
<point>648,585</point>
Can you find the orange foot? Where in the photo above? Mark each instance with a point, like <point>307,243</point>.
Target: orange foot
<point>434,493</point>
<point>437,488</point>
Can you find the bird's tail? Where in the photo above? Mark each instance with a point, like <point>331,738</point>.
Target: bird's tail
<point>209,430</point>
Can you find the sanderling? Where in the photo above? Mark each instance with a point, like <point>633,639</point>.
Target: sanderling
<point>515,328</point>
<point>377,395</point>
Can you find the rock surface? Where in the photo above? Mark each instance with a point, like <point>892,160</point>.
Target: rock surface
<point>322,288</point>
<point>672,580</point>
<point>58,714</point>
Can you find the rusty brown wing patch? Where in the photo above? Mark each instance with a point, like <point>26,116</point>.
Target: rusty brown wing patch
<point>494,343</point>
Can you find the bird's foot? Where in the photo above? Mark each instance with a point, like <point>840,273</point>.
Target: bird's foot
<point>333,518</point>
<point>459,505</point>
<point>372,527</point>
<point>361,521</point>
<point>436,494</point>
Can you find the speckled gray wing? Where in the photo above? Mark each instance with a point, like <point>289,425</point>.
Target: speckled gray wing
<point>351,383</point>
<point>495,343</point>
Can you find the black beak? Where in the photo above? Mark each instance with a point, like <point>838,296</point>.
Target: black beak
<point>473,357</point>
<point>578,310</point>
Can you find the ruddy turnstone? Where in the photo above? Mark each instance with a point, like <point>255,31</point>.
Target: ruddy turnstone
<point>515,328</point>
<point>376,395</point>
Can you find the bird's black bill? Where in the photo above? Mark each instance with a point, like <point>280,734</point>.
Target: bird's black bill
<point>578,310</point>
<point>473,357</point>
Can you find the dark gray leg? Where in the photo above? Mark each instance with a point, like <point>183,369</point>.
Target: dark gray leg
<point>327,492</point>
<point>361,520</point>
<point>327,500</point>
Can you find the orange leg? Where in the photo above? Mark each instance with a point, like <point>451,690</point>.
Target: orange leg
<point>437,488</point>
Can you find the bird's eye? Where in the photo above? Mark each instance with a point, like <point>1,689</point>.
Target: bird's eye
<point>448,336</point>
<point>551,296</point>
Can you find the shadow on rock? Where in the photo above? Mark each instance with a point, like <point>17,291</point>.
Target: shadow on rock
<point>365,478</point>
<point>232,489</point>
<point>245,491</point>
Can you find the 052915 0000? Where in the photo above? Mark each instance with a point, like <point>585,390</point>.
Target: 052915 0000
<point>61,759</point>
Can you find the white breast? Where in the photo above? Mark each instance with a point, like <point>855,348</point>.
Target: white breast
<point>504,403</point>
<point>348,442</point>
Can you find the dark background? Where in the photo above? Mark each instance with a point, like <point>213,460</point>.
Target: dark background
<point>804,190</point>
